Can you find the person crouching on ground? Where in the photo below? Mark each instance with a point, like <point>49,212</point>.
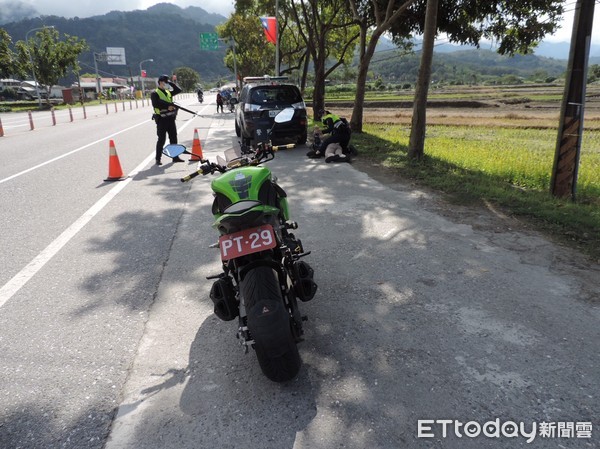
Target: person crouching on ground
<point>165,114</point>
<point>339,133</point>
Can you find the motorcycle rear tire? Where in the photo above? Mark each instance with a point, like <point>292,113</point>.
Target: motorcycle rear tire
<point>270,325</point>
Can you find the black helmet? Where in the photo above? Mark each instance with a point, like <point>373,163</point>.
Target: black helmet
<point>164,78</point>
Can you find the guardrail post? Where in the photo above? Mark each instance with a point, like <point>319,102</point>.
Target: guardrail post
<point>106,106</point>
<point>70,113</point>
<point>84,113</point>
<point>53,117</point>
<point>31,128</point>
<point>116,110</point>
<point>1,129</point>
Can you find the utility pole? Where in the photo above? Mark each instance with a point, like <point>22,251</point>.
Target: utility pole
<point>235,74</point>
<point>99,57</point>
<point>276,37</point>
<point>568,143</point>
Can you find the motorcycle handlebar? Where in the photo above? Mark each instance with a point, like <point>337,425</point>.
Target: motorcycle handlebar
<point>204,169</point>
<point>261,154</point>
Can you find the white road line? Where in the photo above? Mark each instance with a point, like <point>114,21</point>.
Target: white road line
<point>70,152</point>
<point>22,277</point>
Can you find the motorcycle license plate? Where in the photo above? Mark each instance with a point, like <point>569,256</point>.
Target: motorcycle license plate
<point>247,241</point>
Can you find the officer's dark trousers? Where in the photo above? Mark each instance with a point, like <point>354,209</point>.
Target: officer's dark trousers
<point>164,126</point>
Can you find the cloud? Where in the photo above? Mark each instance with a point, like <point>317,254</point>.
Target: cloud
<point>11,11</point>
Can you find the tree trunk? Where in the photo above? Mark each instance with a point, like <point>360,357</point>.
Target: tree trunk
<point>319,91</point>
<point>356,120</point>
<point>417,133</point>
<point>305,64</point>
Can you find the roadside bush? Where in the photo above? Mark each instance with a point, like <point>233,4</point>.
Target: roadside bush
<point>8,94</point>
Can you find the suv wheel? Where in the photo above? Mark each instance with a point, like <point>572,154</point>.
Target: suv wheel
<point>302,139</point>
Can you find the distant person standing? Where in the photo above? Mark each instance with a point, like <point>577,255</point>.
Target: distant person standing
<point>165,114</point>
<point>219,101</point>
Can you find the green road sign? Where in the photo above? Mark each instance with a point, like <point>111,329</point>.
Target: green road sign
<point>209,41</point>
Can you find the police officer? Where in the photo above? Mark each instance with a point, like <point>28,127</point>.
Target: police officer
<point>339,132</point>
<point>165,113</point>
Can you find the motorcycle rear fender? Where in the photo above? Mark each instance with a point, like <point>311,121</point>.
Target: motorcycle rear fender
<point>254,216</point>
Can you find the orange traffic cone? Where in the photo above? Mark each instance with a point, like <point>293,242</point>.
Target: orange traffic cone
<point>115,172</point>
<point>196,148</point>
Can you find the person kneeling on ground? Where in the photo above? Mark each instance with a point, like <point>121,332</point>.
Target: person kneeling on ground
<point>339,133</point>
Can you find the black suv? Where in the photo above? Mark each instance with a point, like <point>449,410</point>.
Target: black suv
<point>260,100</point>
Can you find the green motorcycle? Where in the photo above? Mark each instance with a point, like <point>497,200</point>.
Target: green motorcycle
<point>263,274</point>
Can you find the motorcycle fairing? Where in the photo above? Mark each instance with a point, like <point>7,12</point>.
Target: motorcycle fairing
<point>242,183</point>
<point>248,183</point>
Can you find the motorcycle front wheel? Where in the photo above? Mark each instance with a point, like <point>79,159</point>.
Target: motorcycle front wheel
<point>269,324</point>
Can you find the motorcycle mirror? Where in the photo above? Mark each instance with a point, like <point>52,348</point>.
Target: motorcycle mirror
<point>285,115</point>
<point>173,150</point>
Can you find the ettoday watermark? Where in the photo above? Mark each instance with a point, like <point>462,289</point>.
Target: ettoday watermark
<point>430,428</point>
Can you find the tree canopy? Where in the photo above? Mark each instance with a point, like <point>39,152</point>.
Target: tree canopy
<point>8,64</point>
<point>187,78</point>
<point>51,57</point>
<point>517,26</point>
<point>254,55</point>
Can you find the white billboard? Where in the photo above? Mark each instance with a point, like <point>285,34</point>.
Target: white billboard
<point>115,56</point>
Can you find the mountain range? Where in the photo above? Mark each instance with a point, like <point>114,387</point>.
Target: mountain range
<point>169,35</point>
<point>15,11</point>
<point>164,32</point>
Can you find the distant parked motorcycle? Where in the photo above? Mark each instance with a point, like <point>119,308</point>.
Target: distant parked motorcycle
<point>263,274</point>
<point>232,102</point>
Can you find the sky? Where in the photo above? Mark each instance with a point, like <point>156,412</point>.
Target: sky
<point>87,8</point>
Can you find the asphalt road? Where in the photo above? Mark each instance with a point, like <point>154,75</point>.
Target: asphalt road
<point>424,312</point>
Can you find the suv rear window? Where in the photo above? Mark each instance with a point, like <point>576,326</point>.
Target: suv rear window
<point>275,94</point>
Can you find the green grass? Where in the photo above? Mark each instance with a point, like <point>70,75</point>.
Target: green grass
<point>510,168</point>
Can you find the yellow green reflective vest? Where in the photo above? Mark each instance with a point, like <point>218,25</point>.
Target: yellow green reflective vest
<point>165,96</point>
<point>333,117</point>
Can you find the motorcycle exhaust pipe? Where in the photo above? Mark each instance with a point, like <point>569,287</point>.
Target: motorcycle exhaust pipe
<point>303,283</point>
<point>222,295</point>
